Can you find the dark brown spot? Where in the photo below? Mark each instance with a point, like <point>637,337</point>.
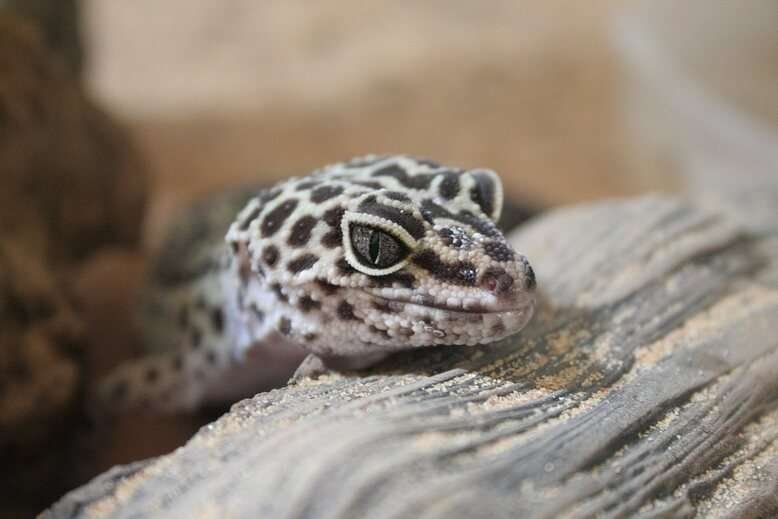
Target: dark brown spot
<point>327,288</point>
<point>418,181</point>
<point>244,224</point>
<point>530,282</point>
<point>310,337</point>
<point>267,196</point>
<point>431,211</point>
<point>217,320</point>
<point>210,357</point>
<point>270,255</point>
<point>273,220</point>
<point>484,191</point>
<point>402,217</point>
<point>405,279</point>
<point>302,186</point>
<point>178,362</point>
<point>195,338</point>
<point>307,303</point>
<point>396,195</point>
<point>449,186</point>
<point>498,250</point>
<point>455,237</point>
<point>301,231</point>
<point>262,200</point>
<point>324,193</point>
<point>301,263</point>
<point>333,217</point>
<point>276,287</point>
<point>345,311</point>
<point>463,272</point>
<point>483,225</point>
<point>285,326</point>
<point>368,184</point>
<point>459,273</point>
<point>407,332</point>
<point>332,239</point>
<point>344,267</point>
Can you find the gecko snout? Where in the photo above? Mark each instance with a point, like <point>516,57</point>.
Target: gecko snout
<point>509,285</point>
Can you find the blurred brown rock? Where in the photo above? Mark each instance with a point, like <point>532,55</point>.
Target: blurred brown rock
<point>58,21</point>
<point>71,180</point>
<point>71,183</point>
<point>40,375</point>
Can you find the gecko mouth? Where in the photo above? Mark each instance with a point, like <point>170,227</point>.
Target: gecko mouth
<point>425,320</point>
<point>436,323</point>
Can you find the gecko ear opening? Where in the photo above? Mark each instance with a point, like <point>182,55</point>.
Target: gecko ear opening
<point>375,246</point>
<point>487,192</point>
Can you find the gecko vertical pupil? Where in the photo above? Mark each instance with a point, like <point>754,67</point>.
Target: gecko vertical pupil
<point>376,248</point>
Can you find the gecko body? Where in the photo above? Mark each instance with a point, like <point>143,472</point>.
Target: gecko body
<point>355,261</point>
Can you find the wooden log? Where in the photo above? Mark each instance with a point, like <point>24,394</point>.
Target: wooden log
<point>647,386</point>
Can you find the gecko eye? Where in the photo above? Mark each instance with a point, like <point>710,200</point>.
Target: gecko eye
<point>375,248</point>
<point>376,245</point>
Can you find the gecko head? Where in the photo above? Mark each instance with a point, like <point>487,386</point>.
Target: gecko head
<point>407,254</point>
<point>437,269</point>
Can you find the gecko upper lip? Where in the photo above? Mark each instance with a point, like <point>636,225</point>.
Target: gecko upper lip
<point>527,302</point>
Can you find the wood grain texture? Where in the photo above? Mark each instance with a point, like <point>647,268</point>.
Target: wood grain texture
<point>647,386</point>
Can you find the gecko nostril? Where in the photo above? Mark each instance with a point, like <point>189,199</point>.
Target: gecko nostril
<point>497,280</point>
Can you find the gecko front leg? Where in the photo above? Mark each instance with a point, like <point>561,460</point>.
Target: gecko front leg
<point>167,382</point>
<point>202,371</point>
<point>223,351</point>
<point>183,381</point>
<point>315,365</point>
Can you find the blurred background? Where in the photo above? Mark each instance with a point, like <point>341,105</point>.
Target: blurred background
<point>114,115</point>
<point>243,90</point>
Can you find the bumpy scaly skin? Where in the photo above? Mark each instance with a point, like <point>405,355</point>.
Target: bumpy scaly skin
<point>293,272</point>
